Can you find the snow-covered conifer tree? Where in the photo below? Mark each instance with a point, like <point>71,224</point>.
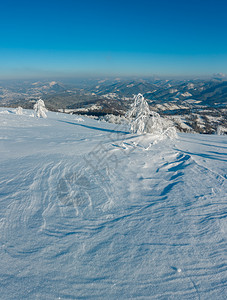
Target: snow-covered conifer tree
<point>143,120</point>
<point>139,113</point>
<point>19,110</point>
<point>221,130</point>
<point>40,109</point>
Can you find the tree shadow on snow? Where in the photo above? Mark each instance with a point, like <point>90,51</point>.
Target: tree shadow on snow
<point>95,128</point>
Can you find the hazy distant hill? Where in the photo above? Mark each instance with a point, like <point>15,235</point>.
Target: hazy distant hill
<point>212,92</point>
<point>199,105</point>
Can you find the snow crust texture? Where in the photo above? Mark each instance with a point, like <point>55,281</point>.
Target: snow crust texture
<point>90,211</point>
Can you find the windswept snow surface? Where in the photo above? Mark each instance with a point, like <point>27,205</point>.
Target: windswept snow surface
<point>89,211</point>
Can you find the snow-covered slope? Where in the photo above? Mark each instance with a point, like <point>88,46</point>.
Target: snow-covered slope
<point>88,211</point>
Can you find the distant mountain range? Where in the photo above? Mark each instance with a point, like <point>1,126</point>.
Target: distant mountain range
<point>212,92</point>
<point>169,97</point>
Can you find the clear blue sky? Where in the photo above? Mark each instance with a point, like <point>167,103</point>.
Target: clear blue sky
<point>120,37</point>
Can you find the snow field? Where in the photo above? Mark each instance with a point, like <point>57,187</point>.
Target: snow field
<point>89,211</point>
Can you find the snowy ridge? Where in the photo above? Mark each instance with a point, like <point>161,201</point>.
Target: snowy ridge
<point>89,211</point>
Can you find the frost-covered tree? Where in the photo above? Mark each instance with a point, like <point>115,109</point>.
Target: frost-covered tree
<point>221,130</point>
<point>40,109</point>
<point>139,114</point>
<point>143,120</point>
<point>19,110</point>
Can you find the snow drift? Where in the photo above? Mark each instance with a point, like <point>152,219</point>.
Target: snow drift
<point>88,211</point>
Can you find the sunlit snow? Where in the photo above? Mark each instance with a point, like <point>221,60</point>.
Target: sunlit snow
<point>91,211</point>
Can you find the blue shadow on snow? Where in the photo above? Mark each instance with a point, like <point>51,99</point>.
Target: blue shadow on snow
<point>95,128</point>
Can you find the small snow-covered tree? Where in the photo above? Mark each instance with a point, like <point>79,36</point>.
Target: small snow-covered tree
<point>221,130</point>
<point>139,114</point>
<point>19,110</point>
<point>143,120</point>
<point>40,109</point>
